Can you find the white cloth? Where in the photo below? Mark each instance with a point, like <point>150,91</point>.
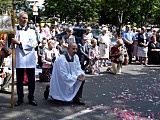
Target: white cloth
<point>142,51</point>
<point>89,37</point>
<point>104,48</point>
<point>64,84</point>
<point>25,58</point>
<point>48,56</point>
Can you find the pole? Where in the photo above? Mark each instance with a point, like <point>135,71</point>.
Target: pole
<point>13,57</point>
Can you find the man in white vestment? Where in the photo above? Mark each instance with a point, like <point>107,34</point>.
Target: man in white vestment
<point>25,40</point>
<point>67,77</point>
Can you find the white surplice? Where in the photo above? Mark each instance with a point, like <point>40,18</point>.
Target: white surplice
<point>25,58</point>
<point>64,84</point>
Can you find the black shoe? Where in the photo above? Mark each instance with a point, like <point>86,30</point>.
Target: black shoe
<point>78,102</point>
<point>33,102</point>
<point>19,102</point>
<point>46,92</point>
<point>5,91</point>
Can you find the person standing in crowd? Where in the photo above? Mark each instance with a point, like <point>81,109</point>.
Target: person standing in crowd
<point>54,38</point>
<point>40,50</point>
<point>128,38</point>
<point>67,77</point>
<point>25,40</point>
<point>153,51</point>
<point>37,31</point>
<point>143,41</point>
<point>88,35</point>
<point>94,58</point>
<point>116,54</point>
<point>158,36</point>
<point>48,57</point>
<point>68,38</point>
<point>60,47</point>
<point>104,42</point>
<point>4,72</point>
<point>135,43</point>
<point>83,51</point>
<point>31,24</point>
<point>46,31</point>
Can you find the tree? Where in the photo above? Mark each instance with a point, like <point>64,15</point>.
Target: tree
<point>116,12</point>
<point>70,10</point>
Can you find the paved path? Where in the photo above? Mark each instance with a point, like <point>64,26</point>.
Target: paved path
<point>133,95</point>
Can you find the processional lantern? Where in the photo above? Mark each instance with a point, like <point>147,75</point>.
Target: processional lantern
<point>7,25</point>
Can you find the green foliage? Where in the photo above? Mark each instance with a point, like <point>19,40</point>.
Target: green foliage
<point>109,11</point>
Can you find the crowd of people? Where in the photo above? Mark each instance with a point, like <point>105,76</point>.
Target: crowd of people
<point>64,62</point>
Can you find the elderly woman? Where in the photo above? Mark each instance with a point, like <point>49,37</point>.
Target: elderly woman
<point>143,41</point>
<point>116,54</point>
<point>153,51</point>
<point>88,35</point>
<point>104,42</point>
<point>68,38</point>
<point>48,57</point>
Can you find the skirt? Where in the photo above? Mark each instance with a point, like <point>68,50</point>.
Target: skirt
<point>142,51</point>
<point>46,75</point>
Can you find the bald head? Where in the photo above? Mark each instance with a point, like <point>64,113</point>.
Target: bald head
<point>72,44</point>
<point>72,49</point>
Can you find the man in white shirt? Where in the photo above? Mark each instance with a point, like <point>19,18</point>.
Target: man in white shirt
<point>25,40</point>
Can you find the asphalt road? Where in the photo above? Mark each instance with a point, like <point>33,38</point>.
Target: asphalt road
<point>132,95</point>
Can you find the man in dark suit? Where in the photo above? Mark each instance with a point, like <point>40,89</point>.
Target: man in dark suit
<point>83,50</point>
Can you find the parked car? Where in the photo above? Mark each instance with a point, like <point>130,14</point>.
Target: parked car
<point>78,33</point>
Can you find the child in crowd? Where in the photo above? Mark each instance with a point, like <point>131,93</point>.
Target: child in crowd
<point>94,58</point>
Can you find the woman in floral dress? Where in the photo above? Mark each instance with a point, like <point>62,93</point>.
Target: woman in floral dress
<point>48,58</point>
<point>94,58</point>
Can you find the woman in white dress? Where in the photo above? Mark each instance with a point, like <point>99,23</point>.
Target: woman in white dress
<point>104,41</point>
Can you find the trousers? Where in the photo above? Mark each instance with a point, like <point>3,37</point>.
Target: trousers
<point>79,93</point>
<point>7,80</point>
<point>31,82</point>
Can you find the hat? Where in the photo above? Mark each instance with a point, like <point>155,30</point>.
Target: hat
<point>7,51</point>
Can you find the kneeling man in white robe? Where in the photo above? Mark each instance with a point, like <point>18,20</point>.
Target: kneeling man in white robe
<point>67,77</point>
